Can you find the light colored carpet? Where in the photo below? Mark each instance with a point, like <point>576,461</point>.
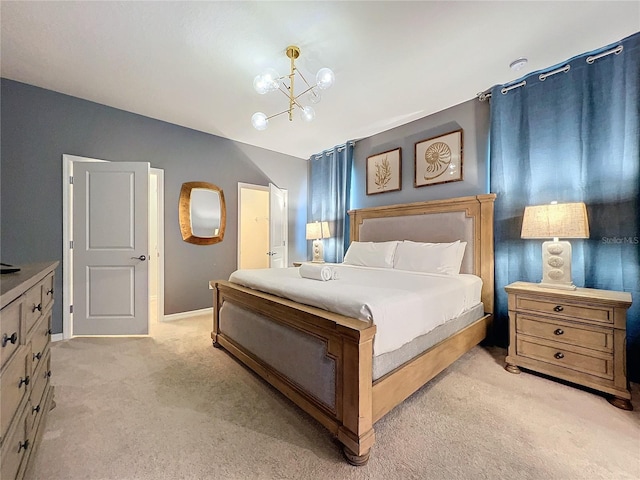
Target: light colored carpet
<point>173,407</point>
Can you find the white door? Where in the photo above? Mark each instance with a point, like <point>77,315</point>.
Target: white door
<point>278,227</point>
<point>110,242</point>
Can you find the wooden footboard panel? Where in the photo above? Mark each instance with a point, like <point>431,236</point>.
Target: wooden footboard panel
<point>349,342</point>
<point>393,388</point>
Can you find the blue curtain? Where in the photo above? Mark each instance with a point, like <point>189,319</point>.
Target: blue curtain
<point>329,192</point>
<point>573,136</point>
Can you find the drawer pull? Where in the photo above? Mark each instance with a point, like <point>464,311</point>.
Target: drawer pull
<point>6,339</point>
<point>559,355</point>
<point>47,374</point>
<point>559,331</point>
<point>50,291</point>
<point>37,356</point>
<point>24,445</point>
<point>35,409</point>
<point>36,307</point>
<point>47,333</point>
<point>24,381</point>
<point>558,308</point>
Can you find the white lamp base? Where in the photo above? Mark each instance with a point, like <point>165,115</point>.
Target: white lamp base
<point>556,265</point>
<point>318,252</point>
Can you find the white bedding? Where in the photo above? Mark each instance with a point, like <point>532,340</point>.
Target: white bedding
<point>403,305</point>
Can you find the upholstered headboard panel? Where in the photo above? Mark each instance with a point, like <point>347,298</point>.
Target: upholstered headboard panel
<point>468,219</point>
<point>434,228</point>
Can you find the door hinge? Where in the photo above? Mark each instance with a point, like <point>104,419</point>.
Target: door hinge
<point>71,179</point>
<point>70,308</point>
<point>71,244</point>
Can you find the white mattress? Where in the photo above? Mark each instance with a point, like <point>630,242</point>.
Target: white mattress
<point>403,305</point>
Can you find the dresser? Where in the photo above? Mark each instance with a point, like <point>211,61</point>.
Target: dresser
<point>26,394</point>
<point>576,335</point>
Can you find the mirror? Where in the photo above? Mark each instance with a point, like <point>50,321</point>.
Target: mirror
<point>202,213</point>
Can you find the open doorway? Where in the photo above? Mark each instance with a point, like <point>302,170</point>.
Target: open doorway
<point>262,226</point>
<point>253,226</point>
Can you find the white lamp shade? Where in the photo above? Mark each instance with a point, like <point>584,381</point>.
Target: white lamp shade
<point>556,220</point>
<point>318,230</point>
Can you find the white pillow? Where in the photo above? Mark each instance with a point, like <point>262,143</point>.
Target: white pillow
<point>371,254</point>
<point>430,257</point>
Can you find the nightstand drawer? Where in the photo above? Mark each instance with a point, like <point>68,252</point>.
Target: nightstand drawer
<point>598,338</point>
<point>561,308</point>
<point>591,363</point>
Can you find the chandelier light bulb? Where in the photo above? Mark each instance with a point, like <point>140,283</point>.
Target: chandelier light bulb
<point>259,121</point>
<point>314,96</point>
<point>260,85</point>
<point>270,78</point>
<point>325,78</point>
<point>307,114</point>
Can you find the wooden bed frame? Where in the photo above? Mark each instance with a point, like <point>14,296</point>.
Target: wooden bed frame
<point>360,401</point>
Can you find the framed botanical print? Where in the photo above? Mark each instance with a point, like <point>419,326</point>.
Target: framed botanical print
<point>439,159</point>
<point>384,172</point>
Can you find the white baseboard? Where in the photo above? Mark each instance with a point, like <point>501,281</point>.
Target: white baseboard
<point>182,315</point>
<point>58,337</point>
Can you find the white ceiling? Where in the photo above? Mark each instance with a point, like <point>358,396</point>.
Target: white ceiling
<point>193,63</point>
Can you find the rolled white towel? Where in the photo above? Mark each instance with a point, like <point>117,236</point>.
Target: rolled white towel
<point>317,272</point>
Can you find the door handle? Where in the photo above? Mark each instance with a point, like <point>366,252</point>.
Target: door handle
<point>141,257</point>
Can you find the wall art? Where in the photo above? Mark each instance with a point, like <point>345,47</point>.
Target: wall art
<point>439,159</point>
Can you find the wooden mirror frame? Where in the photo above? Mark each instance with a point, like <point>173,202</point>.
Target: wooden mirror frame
<point>184,211</point>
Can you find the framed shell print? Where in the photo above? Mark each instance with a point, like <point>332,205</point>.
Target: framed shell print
<point>384,172</point>
<point>439,159</point>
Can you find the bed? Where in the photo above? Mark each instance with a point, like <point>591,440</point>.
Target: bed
<point>324,361</point>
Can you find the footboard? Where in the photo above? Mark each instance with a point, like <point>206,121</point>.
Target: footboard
<point>347,343</point>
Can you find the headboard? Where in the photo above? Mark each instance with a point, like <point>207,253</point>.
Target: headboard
<point>468,219</point>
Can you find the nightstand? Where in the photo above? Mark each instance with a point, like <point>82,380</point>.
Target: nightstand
<point>576,335</point>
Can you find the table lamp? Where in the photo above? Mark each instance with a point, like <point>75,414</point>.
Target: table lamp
<point>555,221</point>
<point>317,231</point>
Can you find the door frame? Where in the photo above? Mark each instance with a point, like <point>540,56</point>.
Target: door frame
<point>67,216</point>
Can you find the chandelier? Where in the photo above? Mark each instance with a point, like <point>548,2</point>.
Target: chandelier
<point>270,81</point>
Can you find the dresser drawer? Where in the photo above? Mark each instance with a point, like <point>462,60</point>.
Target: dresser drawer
<point>32,306</point>
<point>598,338</point>
<point>10,330</point>
<point>14,449</point>
<point>40,339</point>
<point>583,361</point>
<point>40,381</point>
<point>47,291</point>
<point>565,309</point>
<point>15,386</point>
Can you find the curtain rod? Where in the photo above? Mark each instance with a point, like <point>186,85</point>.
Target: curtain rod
<point>330,151</point>
<point>486,95</point>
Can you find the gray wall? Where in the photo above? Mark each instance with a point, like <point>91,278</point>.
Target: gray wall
<point>39,126</point>
<point>472,116</point>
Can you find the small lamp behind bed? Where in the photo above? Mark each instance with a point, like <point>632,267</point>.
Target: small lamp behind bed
<point>316,231</point>
<point>556,220</point>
